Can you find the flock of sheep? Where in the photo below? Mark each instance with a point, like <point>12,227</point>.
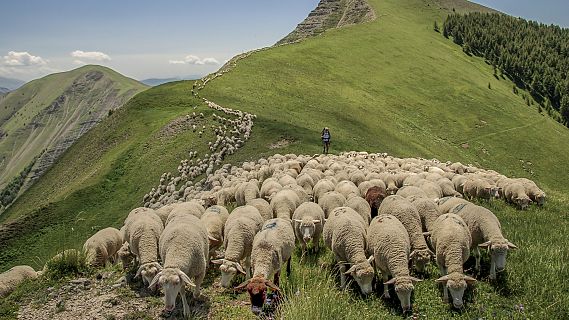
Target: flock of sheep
<point>375,212</point>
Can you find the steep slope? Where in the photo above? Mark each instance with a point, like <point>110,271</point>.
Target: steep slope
<point>390,85</point>
<point>44,117</point>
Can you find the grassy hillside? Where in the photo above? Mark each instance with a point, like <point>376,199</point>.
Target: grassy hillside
<point>391,85</point>
<point>46,115</point>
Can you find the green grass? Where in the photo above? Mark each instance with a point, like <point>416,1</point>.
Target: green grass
<point>392,85</point>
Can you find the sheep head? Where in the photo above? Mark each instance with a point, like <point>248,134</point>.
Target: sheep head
<point>171,280</point>
<point>456,283</point>
<point>363,273</point>
<point>257,289</point>
<point>420,258</point>
<point>228,270</point>
<point>404,287</point>
<point>498,251</point>
<point>307,226</point>
<point>148,271</point>
<point>125,255</point>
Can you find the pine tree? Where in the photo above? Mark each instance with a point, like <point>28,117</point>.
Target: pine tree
<point>436,26</point>
<point>564,109</point>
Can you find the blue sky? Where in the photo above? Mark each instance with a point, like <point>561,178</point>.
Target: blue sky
<point>144,39</point>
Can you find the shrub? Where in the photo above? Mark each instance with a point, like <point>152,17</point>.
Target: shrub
<point>66,263</point>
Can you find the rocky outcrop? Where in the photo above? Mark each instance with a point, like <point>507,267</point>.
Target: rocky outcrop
<point>331,14</point>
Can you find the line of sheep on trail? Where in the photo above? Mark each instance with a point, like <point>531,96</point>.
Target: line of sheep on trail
<point>373,211</point>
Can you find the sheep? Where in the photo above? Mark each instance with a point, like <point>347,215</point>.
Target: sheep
<point>388,242</point>
<point>345,235</point>
<point>142,232</point>
<point>12,278</point>
<point>447,188</point>
<point>458,182</point>
<point>308,224</point>
<point>269,188</point>
<point>432,189</point>
<point>272,247</point>
<point>185,208</point>
<point>331,200</point>
<point>164,212</point>
<point>305,181</point>
<point>346,188</point>
<point>103,246</point>
<point>486,232</point>
<point>321,187</point>
<point>374,197</point>
<point>264,208</point>
<point>406,212</point>
<point>365,185</point>
<point>516,193</point>
<point>246,191</point>
<point>184,248</point>
<point>214,219</point>
<point>477,188</point>
<point>533,191</point>
<point>240,229</point>
<point>447,203</point>
<point>361,206</point>
<point>408,191</point>
<point>284,202</point>
<point>428,211</point>
<point>451,239</point>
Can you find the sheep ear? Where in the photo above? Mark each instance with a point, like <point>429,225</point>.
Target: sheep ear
<point>239,268</point>
<point>486,244</point>
<point>157,265</point>
<point>154,281</point>
<point>370,259</point>
<point>242,286</point>
<point>271,285</point>
<point>412,255</point>
<point>186,279</point>
<point>469,280</point>
<point>442,279</point>
<point>391,281</point>
<point>414,280</point>
<point>511,245</point>
<point>217,261</point>
<point>426,234</point>
<point>212,239</point>
<point>316,221</point>
<point>297,220</point>
<point>352,269</point>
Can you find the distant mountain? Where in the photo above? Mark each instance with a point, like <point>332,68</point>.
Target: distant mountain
<point>4,90</point>
<point>40,120</point>
<point>158,81</point>
<point>10,83</point>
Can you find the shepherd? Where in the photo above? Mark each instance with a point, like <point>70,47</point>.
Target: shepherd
<point>325,139</point>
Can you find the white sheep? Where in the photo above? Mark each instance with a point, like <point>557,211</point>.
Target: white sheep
<point>331,200</point>
<point>447,203</point>
<point>344,234</point>
<point>269,188</point>
<point>185,208</point>
<point>272,247</point>
<point>361,206</point>
<point>346,188</point>
<point>284,203</point>
<point>486,232</point>
<point>406,212</point>
<point>308,224</point>
<point>388,242</point>
<point>428,211</point>
<point>103,246</point>
<point>142,232</point>
<point>11,279</point>
<point>321,187</point>
<point>184,249</point>
<point>214,219</point>
<point>246,191</point>
<point>240,229</point>
<point>516,193</point>
<point>451,239</point>
<point>264,208</point>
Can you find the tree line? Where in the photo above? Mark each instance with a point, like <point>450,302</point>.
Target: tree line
<point>534,55</point>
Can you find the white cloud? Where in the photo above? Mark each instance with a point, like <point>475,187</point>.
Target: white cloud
<point>15,59</point>
<point>192,59</point>
<point>89,55</point>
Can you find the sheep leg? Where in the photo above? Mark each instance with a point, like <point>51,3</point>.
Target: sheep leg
<point>276,278</point>
<point>477,257</point>
<point>288,267</point>
<point>198,282</point>
<point>342,276</point>
<point>385,287</point>
<point>492,269</point>
<point>248,267</point>
<point>445,288</point>
<point>184,301</point>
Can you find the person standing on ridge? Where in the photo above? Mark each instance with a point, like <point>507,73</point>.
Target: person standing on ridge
<point>325,139</point>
